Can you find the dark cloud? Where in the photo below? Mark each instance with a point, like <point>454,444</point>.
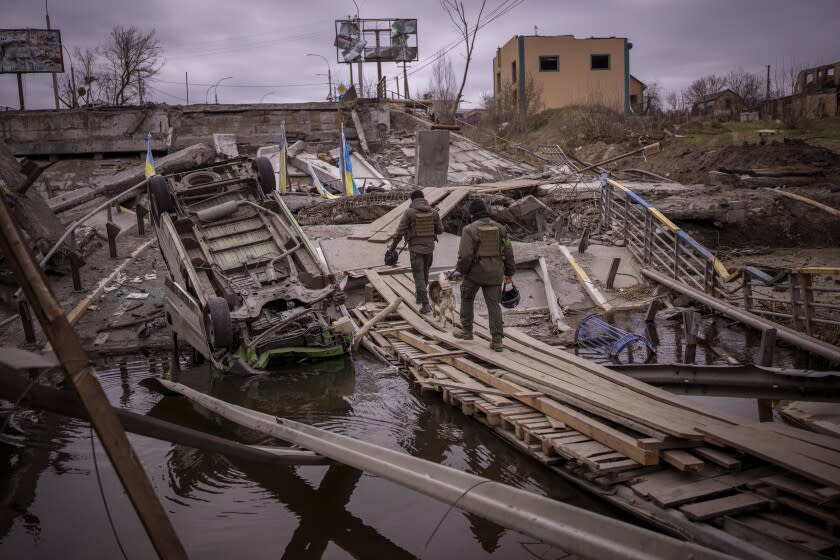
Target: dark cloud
<point>264,43</point>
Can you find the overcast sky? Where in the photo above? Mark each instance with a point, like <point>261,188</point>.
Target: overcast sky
<point>262,44</point>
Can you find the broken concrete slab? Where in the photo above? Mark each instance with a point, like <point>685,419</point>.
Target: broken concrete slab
<point>225,145</point>
<point>432,158</point>
<point>194,156</point>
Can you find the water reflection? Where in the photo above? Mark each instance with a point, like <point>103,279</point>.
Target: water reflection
<point>220,506</point>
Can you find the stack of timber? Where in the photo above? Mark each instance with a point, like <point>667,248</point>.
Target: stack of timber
<point>690,469</point>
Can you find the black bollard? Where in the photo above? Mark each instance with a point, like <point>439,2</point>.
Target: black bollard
<point>25,314</point>
<point>75,267</point>
<point>141,219</point>
<point>113,230</point>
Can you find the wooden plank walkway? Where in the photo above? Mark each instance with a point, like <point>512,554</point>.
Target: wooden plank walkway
<point>597,426</point>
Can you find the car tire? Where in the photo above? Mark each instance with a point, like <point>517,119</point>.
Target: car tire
<point>265,174</point>
<point>218,324</point>
<point>160,197</point>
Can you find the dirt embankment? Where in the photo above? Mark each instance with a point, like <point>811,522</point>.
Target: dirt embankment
<point>689,164</point>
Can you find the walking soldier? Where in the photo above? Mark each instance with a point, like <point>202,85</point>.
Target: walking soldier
<point>485,260</point>
<point>420,225</point>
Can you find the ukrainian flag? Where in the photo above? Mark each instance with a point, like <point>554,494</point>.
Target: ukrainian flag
<point>283,171</point>
<point>150,161</point>
<point>347,167</point>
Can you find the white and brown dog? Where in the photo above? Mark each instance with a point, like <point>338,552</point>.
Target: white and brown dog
<point>442,299</point>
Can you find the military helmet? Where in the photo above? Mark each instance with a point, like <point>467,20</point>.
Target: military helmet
<point>510,296</point>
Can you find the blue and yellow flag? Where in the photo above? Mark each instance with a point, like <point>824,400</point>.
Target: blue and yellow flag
<point>283,171</point>
<point>347,167</point>
<point>318,186</point>
<point>150,161</point>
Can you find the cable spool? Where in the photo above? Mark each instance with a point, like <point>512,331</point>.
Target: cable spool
<point>596,334</point>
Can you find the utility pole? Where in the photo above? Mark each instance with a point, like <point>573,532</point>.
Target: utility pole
<point>55,80</point>
<point>80,374</point>
<point>767,91</point>
<point>397,84</point>
<point>187,85</point>
<point>405,81</point>
<point>20,91</point>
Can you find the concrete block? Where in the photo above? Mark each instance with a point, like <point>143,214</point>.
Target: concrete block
<point>432,158</point>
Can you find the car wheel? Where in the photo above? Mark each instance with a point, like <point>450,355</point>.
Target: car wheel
<point>160,197</point>
<point>218,324</point>
<point>265,174</point>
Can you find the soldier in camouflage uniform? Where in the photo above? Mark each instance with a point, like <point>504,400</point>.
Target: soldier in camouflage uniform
<point>420,225</point>
<point>485,260</point>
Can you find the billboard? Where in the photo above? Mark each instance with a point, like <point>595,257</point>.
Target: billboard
<point>30,50</point>
<point>376,40</point>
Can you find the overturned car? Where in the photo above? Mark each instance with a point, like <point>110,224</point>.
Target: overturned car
<point>245,287</point>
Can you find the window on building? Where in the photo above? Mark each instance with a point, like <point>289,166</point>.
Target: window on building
<point>549,63</point>
<point>513,71</point>
<point>498,81</point>
<point>634,99</point>
<point>600,62</point>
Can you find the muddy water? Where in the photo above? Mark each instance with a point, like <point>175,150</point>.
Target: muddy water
<point>51,505</point>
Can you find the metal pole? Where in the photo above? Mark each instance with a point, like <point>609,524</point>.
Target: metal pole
<point>54,79</point>
<point>575,530</point>
<point>68,350</point>
<point>20,91</point>
<point>187,85</point>
<point>216,90</point>
<point>331,97</point>
<point>405,82</point>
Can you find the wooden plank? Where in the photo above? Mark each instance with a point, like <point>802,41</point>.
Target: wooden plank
<point>582,393</point>
<point>779,547</point>
<point>455,197</point>
<point>387,232</point>
<point>587,425</point>
<point>682,460</point>
<point>804,458</point>
<point>614,402</point>
<point>822,440</point>
<point>718,457</point>
<point>799,524</point>
<point>786,529</point>
<point>799,488</point>
<point>809,509</point>
<point>382,221</point>
<point>723,506</point>
<point>707,488</point>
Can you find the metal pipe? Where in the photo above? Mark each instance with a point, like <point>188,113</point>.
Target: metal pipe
<point>575,530</point>
<point>72,227</point>
<point>811,344</point>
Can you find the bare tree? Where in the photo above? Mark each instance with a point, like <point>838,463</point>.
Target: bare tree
<point>785,76</point>
<point>505,111</point>
<point>652,99</point>
<point>702,87</point>
<point>442,90</point>
<point>747,85</point>
<point>88,78</point>
<point>131,59</point>
<point>468,31</point>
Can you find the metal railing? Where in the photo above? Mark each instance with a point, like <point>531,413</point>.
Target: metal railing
<point>805,299</point>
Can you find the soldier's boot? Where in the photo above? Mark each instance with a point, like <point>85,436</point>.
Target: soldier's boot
<point>425,309</point>
<point>497,344</point>
<point>463,334</point>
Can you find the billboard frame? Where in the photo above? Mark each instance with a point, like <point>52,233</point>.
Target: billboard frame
<point>59,69</point>
<point>373,28</point>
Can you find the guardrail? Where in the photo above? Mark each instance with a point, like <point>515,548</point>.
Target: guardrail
<point>805,299</point>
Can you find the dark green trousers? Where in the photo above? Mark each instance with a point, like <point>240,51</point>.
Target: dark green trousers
<point>492,297</point>
<point>420,265</point>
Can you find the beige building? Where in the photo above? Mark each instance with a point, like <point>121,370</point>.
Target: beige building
<point>568,71</point>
